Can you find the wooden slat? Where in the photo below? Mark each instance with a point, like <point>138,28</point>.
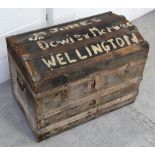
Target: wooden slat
<point>117,56</point>
<point>90,97</point>
<point>87,113</point>
<point>75,109</point>
<point>86,79</point>
<point>70,69</point>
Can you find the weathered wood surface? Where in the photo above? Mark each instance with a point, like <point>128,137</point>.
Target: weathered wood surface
<point>68,74</point>
<point>107,80</point>
<point>85,116</point>
<point>114,33</point>
<point>23,97</point>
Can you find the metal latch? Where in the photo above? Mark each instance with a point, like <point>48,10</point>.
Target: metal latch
<point>20,82</point>
<point>96,81</point>
<point>64,93</point>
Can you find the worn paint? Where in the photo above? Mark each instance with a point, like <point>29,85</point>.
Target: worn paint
<point>91,50</point>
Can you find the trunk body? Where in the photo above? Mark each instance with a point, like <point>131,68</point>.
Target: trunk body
<point>67,74</point>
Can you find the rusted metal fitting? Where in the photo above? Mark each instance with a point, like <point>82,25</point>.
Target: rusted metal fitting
<point>131,28</point>
<point>122,17</point>
<point>26,57</point>
<point>110,12</point>
<point>64,93</point>
<point>96,81</point>
<point>20,83</point>
<point>144,44</point>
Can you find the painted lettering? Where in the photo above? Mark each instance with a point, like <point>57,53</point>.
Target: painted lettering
<point>64,28</point>
<point>43,45</point>
<point>79,55</point>
<point>60,59</point>
<point>116,27</point>
<point>65,41</point>
<point>129,24</point>
<point>120,42</point>
<point>85,23</point>
<point>97,49</point>
<point>127,40</point>
<point>73,56</point>
<point>53,30</point>
<point>37,36</point>
<point>69,59</point>
<point>95,31</point>
<point>96,20</point>
<point>53,43</point>
<point>49,63</point>
<point>105,47</point>
<point>111,41</point>
<point>134,38</point>
<point>89,52</point>
<point>72,26</point>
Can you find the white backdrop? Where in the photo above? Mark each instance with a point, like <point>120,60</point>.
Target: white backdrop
<point>15,21</point>
<point>57,16</point>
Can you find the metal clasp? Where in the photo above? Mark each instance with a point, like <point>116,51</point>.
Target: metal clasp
<point>64,93</point>
<point>20,82</point>
<point>96,81</point>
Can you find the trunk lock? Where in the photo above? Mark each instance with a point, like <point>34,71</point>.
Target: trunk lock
<point>96,81</point>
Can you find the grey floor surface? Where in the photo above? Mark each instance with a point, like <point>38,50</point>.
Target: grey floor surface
<point>132,125</point>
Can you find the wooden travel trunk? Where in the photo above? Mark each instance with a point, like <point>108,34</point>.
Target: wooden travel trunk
<point>70,73</point>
